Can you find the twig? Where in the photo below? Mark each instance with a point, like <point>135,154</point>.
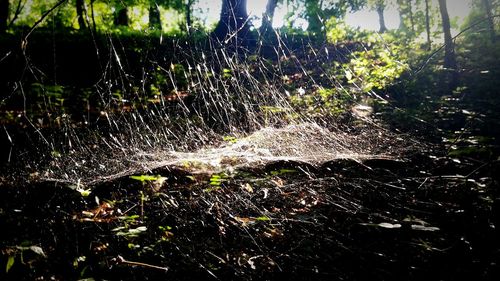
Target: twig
<point>477,169</point>
<point>422,184</point>
<point>24,42</point>
<point>19,8</point>
<point>120,260</point>
<point>455,37</point>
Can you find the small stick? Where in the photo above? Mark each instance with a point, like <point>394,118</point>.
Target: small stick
<point>120,260</point>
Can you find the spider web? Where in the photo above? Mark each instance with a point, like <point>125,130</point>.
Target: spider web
<point>220,107</point>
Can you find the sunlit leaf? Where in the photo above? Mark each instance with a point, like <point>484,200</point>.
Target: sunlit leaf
<point>247,187</point>
<point>37,250</point>
<point>143,178</point>
<point>424,228</point>
<point>389,225</point>
<point>263,218</point>
<point>10,263</point>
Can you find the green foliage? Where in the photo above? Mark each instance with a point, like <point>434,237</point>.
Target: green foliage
<point>129,232</point>
<point>376,68</point>
<point>318,12</point>
<point>230,139</point>
<point>10,263</point>
<point>373,63</point>
<point>262,218</point>
<point>101,15</point>
<point>281,172</point>
<point>337,30</point>
<point>180,75</point>
<point>323,102</point>
<point>15,251</point>
<point>218,179</point>
<point>145,178</point>
<point>382,60</point>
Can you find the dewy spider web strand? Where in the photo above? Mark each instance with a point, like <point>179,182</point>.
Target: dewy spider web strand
<point>216,94</point>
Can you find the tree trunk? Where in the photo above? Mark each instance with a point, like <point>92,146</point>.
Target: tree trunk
<point>189,21</point>
<point>80,12</point>
<point>380,10</point>
<point>410,11</point>
<point>234,26</point>
<point>267,17</point>
<point>450,61</point>
<point>121,17</point>
<point>401,12</point>
<point>428,25</point>
<point>315,18</point>
<point>154,17</point>
<point>4,15</point>
<point>491,23</point>
<point>402,25</point>
<point>92,15</point>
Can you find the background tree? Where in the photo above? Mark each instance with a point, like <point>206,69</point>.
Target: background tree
<point>315,15</point>
<point>491,24</point>
<point>406,16</point>
<point>410,13</point>
<point>428,24</point>
<point>4,15</point>
<point>379,6</point>
<point>318,11</point>
<point>416,17</point>
<point>267,17</point>
<point>19,8</point>
<point>80,13</point>
<point>234,25</point>
<point>402,25</point>
<point>450,61</point>
<point>188,11</point>
<point>154,15</point>
<point>121,14</point>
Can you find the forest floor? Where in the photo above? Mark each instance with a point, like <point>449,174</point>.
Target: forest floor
<point>426,215</point>
<point>432,212</point>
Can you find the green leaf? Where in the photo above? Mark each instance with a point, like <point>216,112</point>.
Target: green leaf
<point>230,139</point>
<point>118,228</point>
<point>348,75</point>
<point>263,218</point>
<point>283,171</point>
<point>133,232</point>
<point>389,225</point>
<point>37,250</point>
<point>10,263</point>
<point>143,178</point>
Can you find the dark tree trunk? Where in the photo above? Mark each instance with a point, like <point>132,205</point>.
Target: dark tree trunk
<point>428,25</point>
<point>154,17</point>
<point>4,15</point>
<point>267,17</point>
<point>80,12</point>
<point>315,18</point>
<point>402,25</point>
<point>380,10</point>
<point>450,61</point>
<point>121,17</point>
<point>92,15</point>
<point>189,21</point>
<point>234,26</point>
<point>401,11</point>
<point>491,23</point>
<point>410,11</point>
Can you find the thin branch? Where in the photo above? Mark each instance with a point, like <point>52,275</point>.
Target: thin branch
<point>24,42</point>
<point>19,8</point>
<point>453,39</point>
<point>121,260</point>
